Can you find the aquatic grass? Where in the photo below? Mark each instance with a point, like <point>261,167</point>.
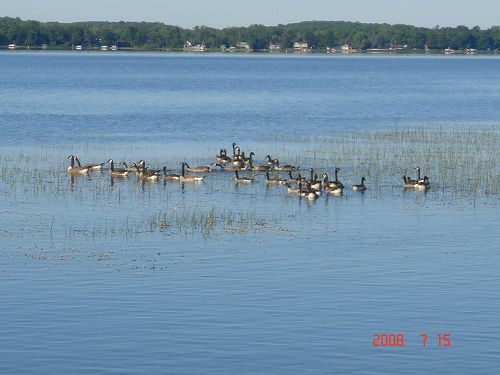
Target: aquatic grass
<point>208,221</point>
<point>463,161</point>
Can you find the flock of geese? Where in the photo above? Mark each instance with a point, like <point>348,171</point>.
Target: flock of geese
<point>309,188</point>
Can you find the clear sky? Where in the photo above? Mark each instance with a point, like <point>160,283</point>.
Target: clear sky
<point>223,13</point>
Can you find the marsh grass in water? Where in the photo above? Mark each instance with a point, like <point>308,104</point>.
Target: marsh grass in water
<point>211,221</point>
<point>461,162</point>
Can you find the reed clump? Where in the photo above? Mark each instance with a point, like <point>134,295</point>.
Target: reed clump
<point>462,161</point>
<point>207,221</point>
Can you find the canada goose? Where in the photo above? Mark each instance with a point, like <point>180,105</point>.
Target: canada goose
<point>332,187</point>
<point>311,195</point>
<point>286,167</point>
<point>236,158</point>
<point>224,158</point>
<point>361,186</point>
<point>334,190</point>
<point>336,182</point>
<point>291,190</point>
<point>144,174</point>
<point>116,172</point>
<point>228,167</point>
<point>249,159</point>
<point>244,180</point>
<point>295,180</point>
<point>76,170</point>
<point>418,173</point>
<point>325,182</point>
<point>172,176</point>
<point>259,168</point>
<point>91,167</point>
<point>198,169</point>
<point>220,155</point>
<point>184,178</point>
<point>422,184</point>
<point>309,192</point>
<point>315,184</point>
<point>127,168</point>
<point>272,161</point>
<point>418,176</point>
<point>274,181</point>
<point>311,174</point>
<point>142,165</point>
<point>408,182</point>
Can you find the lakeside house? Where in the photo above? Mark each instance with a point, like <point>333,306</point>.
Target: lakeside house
<point>240,46</point>
<point>301,46</point>
<point>274,47</point>
<point>11,46</point>
<point>104,48</point>
<point>398,47</point>
<point>78,48</point>
<point>190,47</point>
<point>346,48</point>
<point>243,45</point>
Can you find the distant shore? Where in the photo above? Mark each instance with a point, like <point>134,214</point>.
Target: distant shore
<point>414,51</point>
<point>336,37</point>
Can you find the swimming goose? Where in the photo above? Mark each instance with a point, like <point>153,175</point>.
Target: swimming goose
<point>228,167</point>
<point>91,167</point>
<point>360,187</point>
<point>314,184</point>
<point>244,180</point>
<point>272,161</point>
<point>220,155</point>
<point>311,175</point>
<point>274,181</point>
<point>198,169</point>
<point>335,190</point>
<point>336,182</point>
<point>418,175</point>
<point>224,158</point>
<point>142,165</point>
<point>285,168</point>
<point>297,179</point>
<point>249,159</point>
<point>116,172</point>
<point>127,168</point>
<point>309,193</point>
<point>76,170</point>
<point>259,168</point>
<point>236,158</point>
<point>332,187</point>
<point>144,174</point>
<point>422,184</point>
<point>325,182</point>
<point>408,182</point>
<point>291,190</point>
<point>184,178</point>
<point>307,189</point>
<point>172,176</point>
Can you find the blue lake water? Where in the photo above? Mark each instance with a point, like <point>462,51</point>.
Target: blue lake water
<point>104,276</point>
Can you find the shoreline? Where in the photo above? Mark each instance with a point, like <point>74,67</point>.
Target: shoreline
<point>290,51</point>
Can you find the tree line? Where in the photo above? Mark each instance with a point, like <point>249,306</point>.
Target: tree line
<point>318,34</point>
